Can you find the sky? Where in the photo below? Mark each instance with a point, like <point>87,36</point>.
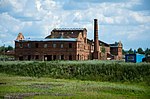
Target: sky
<point>127,21</point>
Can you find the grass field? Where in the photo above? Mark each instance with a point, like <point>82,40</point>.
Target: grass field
<point>74,80</point>
<point>47,88</point>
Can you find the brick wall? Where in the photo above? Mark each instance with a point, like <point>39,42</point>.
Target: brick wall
<point>41,50</point>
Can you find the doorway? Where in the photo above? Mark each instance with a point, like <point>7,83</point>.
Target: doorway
<point>47,57</point>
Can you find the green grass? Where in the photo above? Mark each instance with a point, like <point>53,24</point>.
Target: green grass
<point>49,88</point>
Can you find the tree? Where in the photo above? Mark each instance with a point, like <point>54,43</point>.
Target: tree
<point>103,49</point>
<point>10,47</point>
<point>140,51</point>
<point>3,48</point>
<point>147,52</point>
<point>124,52</point>
<point>103,52</point>
<point>130,51</point>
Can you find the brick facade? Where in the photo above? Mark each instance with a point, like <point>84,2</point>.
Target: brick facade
<point>65,44</point>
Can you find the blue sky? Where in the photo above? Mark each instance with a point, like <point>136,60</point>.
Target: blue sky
<point>127,21</point>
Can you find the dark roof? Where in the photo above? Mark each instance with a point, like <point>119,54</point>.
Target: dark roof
<point>51,39</point>
<point>116,44</point>
<point>103,43</point>
<point>89,41</point>
<point>100,42</point>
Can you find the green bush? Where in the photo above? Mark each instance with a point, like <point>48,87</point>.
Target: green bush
<point>83,70</point>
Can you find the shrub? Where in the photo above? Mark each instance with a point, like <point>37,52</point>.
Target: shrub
<point>83,70</point>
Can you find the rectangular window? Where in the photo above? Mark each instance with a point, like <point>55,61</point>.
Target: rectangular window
<point>20,45</point>
<point>29,46</point>
<point>54,57</point>
<point>45,45</point>
<point>54,45</point>
<point>29,57</point>
<point>79,46</point>
<point>62,45</point>
<point>78,57</point>
<point>70,45</point>
<point>37,57</point>
<point>21,58</point>
<point>62,57</point>
<point>70,57</point>
<point>59,57</point>
<point>36,45</point>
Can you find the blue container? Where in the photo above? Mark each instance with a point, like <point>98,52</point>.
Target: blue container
<point>136,58</point>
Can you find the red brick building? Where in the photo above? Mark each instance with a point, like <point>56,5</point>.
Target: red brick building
<point>66,44</point>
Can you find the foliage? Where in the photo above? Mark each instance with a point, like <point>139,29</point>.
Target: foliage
<point>130,51</point>
<point>86,70</point>
<point>147,52</point>
<point>103,49</point>
<point>6,58</point>
<point>3,48</point>
<point>124,52</point>
<point>140,51</point>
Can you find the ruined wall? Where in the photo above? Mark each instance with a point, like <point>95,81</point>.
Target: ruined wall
<point>41,50</point>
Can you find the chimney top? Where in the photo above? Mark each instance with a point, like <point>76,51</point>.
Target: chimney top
<point>95,19</point>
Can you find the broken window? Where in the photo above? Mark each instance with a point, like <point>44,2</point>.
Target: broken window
<point>70,57</point>
<point>70,45</point>
<point>54,45</point>
<point>29,45</point>
<point>37,57</point>
<point>20,45</point>
<point>45,45</point>
<point>36,45</point>
<point>62,45</point>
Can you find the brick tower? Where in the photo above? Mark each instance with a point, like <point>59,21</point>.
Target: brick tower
<point>96,54</point>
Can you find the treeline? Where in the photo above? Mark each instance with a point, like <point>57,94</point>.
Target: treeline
<point>139,50</point>
<point>93,70</point>
<point>5,49</point>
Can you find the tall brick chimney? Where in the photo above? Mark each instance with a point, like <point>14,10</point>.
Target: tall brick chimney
<point>96,54</point>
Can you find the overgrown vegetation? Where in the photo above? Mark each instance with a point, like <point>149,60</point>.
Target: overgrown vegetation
<point>83,70</point>
<point>17,87</point>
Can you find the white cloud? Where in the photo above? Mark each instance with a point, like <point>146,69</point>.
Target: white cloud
<point>9,23</point>
<point>36,18</point>
<point>38,5</point>
<point>49,4</point>
<point>140,18</point>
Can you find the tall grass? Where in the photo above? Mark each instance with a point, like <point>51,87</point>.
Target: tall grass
<point>83,70</point>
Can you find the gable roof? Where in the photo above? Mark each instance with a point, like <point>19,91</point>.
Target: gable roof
<point>20,36</point>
